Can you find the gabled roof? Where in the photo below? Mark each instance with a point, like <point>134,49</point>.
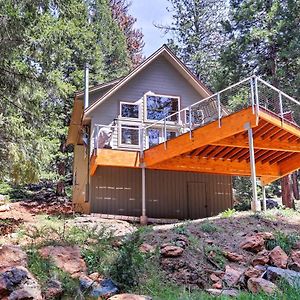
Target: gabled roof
<point>171,57</point>
<point>99,86</point>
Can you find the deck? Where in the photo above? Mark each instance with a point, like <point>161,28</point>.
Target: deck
<point>220,150</point>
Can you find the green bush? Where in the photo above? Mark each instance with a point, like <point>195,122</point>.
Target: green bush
<point>215,254</point>
<point>285,241</point>
<point>209,227</point>
<point>228,213</point>
<point>126,269</point>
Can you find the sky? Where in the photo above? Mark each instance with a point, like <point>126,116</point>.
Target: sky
<point>148,13</point>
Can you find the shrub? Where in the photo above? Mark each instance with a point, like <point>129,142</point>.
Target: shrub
<point>228,213</point>
<point>285,241</point>
<point>209,227</point>
<point>129,263</point>
<point>215,254</point>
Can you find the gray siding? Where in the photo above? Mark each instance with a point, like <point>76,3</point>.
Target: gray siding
<point>118,191</point>
<point>159,77</point>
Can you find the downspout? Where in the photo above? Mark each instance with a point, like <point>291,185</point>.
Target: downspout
<point>86,86</point>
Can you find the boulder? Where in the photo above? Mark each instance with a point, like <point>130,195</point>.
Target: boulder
<point>278,258</point>
<point>225,292</point>
<point>232,276</point>
<point>217,285</point>
<point>12,256</point>
<point>146,248</point>
<point>290,276</point>
<point>256,242</point>
<point>253,272</point>
<point>257,285</point>
<point>17,283</point>
<point>234,257</point>
<point>262,258</point>
<point>128,297</point>
<point>295,261</point>
<point>214,278</point>
<point>4,207</point>
<point>104,288</point>
<point>66,258</point>
<point>53,289</point>
<point>171,251</point>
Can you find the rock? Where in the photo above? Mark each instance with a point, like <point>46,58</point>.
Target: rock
<point>129,297</point>
<point>234,256</point>
<point>256,242</point>
<point>214,278</point>
<point>106,227</point>
<point>217,285</point>
<point>171,251</point>
<point>292,277</point>
<point>225,292</point>
<point>262,258</point>
<point>4,207</point>
<point>232,276</point>
<point>11,256</point>
<point>181,241</point>
<point>295,261</point>
<point>95,276</point>
<point>104,288</point>
<point>146,248</point>
<point>278,258</point>
<point>53,290</point>
<point>253,272</point>
<point>256,285</point>
<point>66,258</point>
<point>17,283</point>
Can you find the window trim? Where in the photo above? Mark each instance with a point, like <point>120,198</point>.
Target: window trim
<point>128,118</point>
<point>128,146</point>
<point>165,96</point>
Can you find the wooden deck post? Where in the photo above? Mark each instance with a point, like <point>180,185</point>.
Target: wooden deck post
<point>255,205</point>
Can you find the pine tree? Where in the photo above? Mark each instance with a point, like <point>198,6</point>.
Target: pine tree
<point>265,40</point>
<point>197,34</point>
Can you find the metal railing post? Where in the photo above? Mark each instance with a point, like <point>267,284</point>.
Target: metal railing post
<point>219,109</point>
<point>165,133</point>
<point>252,94</point>
<point>280,106</point>
<point>190,121</point>
<point>256,96</point>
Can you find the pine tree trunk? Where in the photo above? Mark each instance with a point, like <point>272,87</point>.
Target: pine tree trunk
<point>61,170</point>
<point>286,192</point>
<point>295,185</point>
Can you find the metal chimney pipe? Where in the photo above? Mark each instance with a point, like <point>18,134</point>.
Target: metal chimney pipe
<point>86,85</point>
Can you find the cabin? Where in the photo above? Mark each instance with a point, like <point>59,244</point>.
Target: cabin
<point>158,143</point>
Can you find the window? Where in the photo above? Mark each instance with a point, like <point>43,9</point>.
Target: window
<point>129,136</point>
<point>159,107</point>
<point>153,137</point>
<point>197,116</point>
<point>129,110</point>
<point>171,135</point>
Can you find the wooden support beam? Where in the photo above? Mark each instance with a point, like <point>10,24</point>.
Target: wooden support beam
<point>273,157</point>
<point>290,164</point>
<point>265,155</point>
<point>205,135</point>
<point>276,145</point>
<point>202,165</point>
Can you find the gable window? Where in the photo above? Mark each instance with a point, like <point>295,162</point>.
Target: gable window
<point>129,110</point>
<point>159,106</point>
<point>129,135</point>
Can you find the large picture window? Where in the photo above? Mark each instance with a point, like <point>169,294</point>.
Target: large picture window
<point>159,107</point>
<point>129,110</point>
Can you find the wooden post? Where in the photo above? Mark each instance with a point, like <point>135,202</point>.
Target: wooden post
<point>255,205</point>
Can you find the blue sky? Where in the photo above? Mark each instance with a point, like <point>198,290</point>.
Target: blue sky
<point>148,12</point>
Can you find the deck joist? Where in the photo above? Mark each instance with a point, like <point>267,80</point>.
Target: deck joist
<point>221,149</point>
